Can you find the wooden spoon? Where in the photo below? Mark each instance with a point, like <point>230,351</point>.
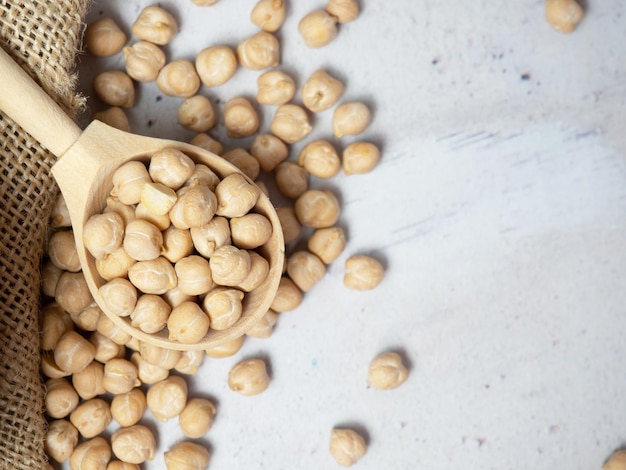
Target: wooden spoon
<point>87,160</point>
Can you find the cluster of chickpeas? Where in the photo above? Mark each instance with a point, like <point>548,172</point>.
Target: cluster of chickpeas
<point>157,252</point>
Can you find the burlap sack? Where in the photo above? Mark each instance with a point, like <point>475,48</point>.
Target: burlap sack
<point>43,36</point>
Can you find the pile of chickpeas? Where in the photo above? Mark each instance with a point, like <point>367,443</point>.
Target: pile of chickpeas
<point>203,256</point>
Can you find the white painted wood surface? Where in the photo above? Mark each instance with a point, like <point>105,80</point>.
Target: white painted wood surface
<point>499,211</point>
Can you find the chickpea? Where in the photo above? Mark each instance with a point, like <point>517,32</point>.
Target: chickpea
<point>119,296</point>
<point>142,240</point>
<point>119,465</point>
<point>275,87</point>
<point>617,461</point>
<point>166,358</point>
<point>265,326</point>
<point>249,377</point>
<point>91,454</point>
<point>114,264</point>
<point>229,265</point>
<point>347,446</point>
<point>189,362</point>
<point>144,61</point>
<point>167,398</point>
<point>91,417</point>
<point>290,123</point>
<point>73,352</point>
<point>187,323</point>
<point>128,181</point>
<point>88,382</point>
<point>62,251</point>
<point>120,376</point>
<point>288,296</point>
<point>104,37</point>
<point>162,222</point>
<point>61,440</point>
<point>177,244</point>
<point>321,91</point>
<point>244,161</point>
<point>153,277</point>
<point>235,196</point>
<point>327,243</point>
<point>115,88</point>
<point>126,212</point>
<point>305,269</point>
<point>87,318</point>
<point>128,408</point>
<point>269,150</point>
<point>197,417</point>
<point>351,118</point>
<point>48,367</point>
<point>178,78</point>
<point>60,216</point>
<point>240,118</point>
<point>134,444</point>
<point>148,373</point>
<point>114,117</point>
<point>289,224</point>
<point>259,270</point>
<point>320,159</point>
<point>112,331</point>
<point>50,275</point>
<point>260,51</point>
<point>197,114</point>
<point>72,293</point>
<point>206,142</point>
<point>250,231</point>
<point>344,10</point>
<point>317,208</point>
<point>171,167</point>
<point>269,15</point>
<point>54,323</point>
<point>61,398</point>
<point>150,313</point>
<point>318,28</point>
<point>216,65</point>
<point>386,371</point>
<point>226,349</point>
<point>223,306</point>
<point>106,348</point>
<point>360,157</point>
<point>204,3</point>
<point>156,25</point>
<point>362,272</point>
<point>563,15</point>
<point>195,206</point>
<point>211,236</point>
<point>194,275</point>
<point>157,199</point>
<point>203,175</point>
<point>292,180</point>
<point>103,233</point>
<point>187,456</point>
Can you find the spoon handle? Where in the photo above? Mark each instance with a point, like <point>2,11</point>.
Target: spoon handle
<point>28,105</point>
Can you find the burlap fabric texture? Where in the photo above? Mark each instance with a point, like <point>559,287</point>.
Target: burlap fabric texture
<point>43,36</point>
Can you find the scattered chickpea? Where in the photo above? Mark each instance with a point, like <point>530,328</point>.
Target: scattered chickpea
<point>106,348</point>
<point>226,349</point>
<point>616,461</point>
<point>103,233</point>
<point>206,142</point>
<point>269,150</point>
<point>362,272</point>
<point>229,265</point>
<point>150,313</point>
<point>187,323</point>
<point>317,208</point>
<point>134,444</point>
<point>318,28</point>
<point>360,157</point>
<point>216,65</point>
<point>344,10</point>
<point>114,117</point>
<point>115,88</point>
<point>60,216</point>
<point>563,15</point>
<point>320,159</point>
<point>115,264</point>
<point>189,362</point>
<point>91,417</point>
<point>292,180</point>
<point>204,3</point>
<point>61,440</point>
<point>305,269</point>
<point>50,275</point>
<point>288,296</point>
<point>194,275</point>
<point>54,323</point>
<point>148,373</point>
<point>87,318</point>
<point>91,454</point>
<point>386,371</point>
<point>275,87</point>
<point>244,161</point>
<point>269,15</point>
<point>259,270</point>
<point>156,25</point>
<point>289,224</point>
<point>265,326</point>
<point>48,367</point>
<point>128,408</point>
<point>260,51</point>
<point>72,293</point>
<point>187,456</point>
<point>351,118</point>
<point>250,231</point>
<point>155,276</point>
<point>347,446</point>
<point>290,123</point>
<point>166,358</point>
<point>61,398</point>
<point>211,236</point>
<point>104,37</point>
<point>327,243</point>
<point>73,352</point>
<point>240,118</point>
<point>120,376</point>
<point>321,91</point>
<point>197,114</point>
<point>167,398</point>
<point>88,382</point>
<point>197,417</point>
<point>178,78</point>
<point>235,196</point>
<point>249,377</point>
<point>119,296</point>
<point>144,60</point>
<point>223,306</point>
